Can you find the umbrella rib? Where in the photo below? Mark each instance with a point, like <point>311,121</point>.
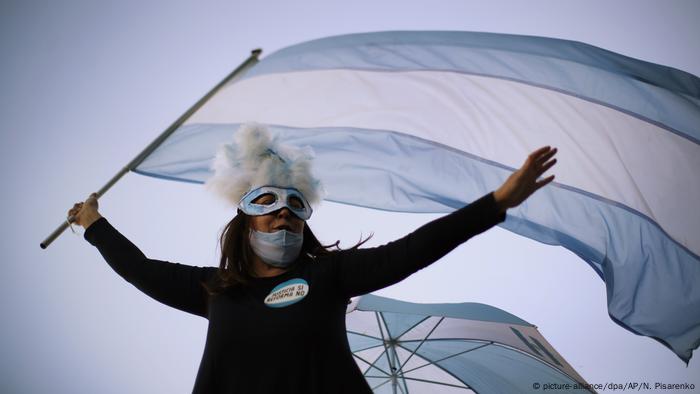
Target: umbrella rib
<point>384,377</point>
<point>420,344</point>
<point>371,364</point>
<point>386,350</point>
<point>403,381</point>
<point>392,364</point>
<point>554,367</point>
<point>400,369</point>
<point>445,358</point>
<point>401,389</point>
<point>393,358</point>
<point>381,384</point>
<point>413,326</point>
<point>364,335</point>
<point>466,386</point>
<point>445,370</point>
<point>545,362</point>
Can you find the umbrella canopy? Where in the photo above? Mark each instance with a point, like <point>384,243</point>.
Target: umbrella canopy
<point>403,347</point>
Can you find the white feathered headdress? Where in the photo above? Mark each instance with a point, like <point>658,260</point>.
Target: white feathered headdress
<point>255,159</point>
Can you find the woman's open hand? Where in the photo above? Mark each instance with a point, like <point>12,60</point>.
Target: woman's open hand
<point>85,213</point>
<point>523,182</point>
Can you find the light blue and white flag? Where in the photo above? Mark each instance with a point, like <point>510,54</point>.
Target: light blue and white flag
<point>429,121</point>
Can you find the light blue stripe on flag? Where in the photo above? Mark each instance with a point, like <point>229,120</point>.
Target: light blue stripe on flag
<point>659,94</point>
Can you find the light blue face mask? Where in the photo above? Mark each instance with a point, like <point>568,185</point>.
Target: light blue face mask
<point>279,248</point>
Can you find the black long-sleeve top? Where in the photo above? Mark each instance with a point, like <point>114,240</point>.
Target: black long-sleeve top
<point>296,341</point>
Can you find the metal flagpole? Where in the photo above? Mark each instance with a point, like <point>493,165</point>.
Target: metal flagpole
<point>250,62</point>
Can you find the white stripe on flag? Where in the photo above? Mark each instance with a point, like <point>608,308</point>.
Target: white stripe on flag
<point>602,151</point>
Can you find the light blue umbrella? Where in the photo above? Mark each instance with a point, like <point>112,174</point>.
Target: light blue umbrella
<point>402,347</point>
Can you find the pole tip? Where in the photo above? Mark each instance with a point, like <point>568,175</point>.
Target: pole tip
<point>256,52</point>
<point>43,245</point>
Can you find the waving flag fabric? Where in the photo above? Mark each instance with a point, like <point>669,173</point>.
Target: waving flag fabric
<point>429,121</point>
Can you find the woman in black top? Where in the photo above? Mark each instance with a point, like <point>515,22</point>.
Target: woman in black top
<point>276,304</point>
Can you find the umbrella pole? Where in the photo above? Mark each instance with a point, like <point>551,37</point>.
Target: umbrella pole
<point>395,369</point>
<point>247,64</point>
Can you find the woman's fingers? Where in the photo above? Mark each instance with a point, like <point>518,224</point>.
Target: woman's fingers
<point>539,157</point>
<point>546,167</point>
<point>534,155</point>
<point>92,200</point>
<point>543,182</point>
<point>76,208</point>
<point>524,182</point>
<point>541,160</point>
<point>546,156</point>
<point>84,208</point>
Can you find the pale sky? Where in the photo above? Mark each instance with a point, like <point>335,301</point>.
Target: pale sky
<point>88,84</point>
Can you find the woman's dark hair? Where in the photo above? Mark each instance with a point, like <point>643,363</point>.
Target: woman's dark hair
<point>236,264</point>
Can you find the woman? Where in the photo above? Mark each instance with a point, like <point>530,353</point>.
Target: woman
<point>276,304</point>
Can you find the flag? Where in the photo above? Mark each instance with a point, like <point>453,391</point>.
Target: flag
<point>430,121</point>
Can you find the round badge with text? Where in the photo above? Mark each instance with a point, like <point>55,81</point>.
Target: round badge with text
<point>287,293</point>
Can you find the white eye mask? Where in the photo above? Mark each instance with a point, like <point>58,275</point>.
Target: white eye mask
<point>279,248</point>
<point>289,198</point>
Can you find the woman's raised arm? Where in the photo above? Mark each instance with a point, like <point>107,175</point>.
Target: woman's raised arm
<point>361,271</point>
<point>173,284</point>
